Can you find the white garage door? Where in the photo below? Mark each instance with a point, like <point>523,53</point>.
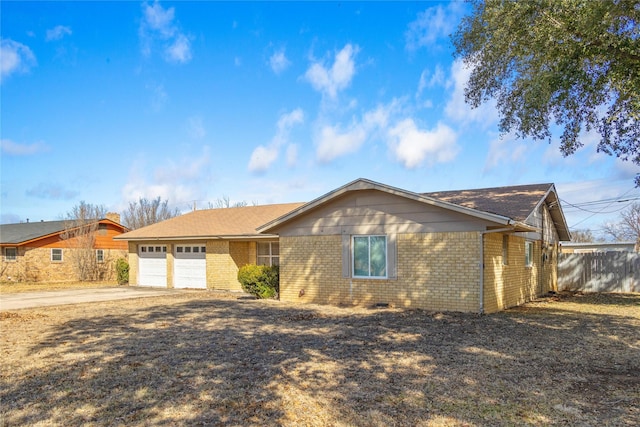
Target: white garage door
<point>152,266</point>
<point>190,267</point>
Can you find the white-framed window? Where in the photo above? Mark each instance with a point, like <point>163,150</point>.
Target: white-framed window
<point>10,254</point>
<point>56,255</point>
<point>100,255</point>
<point>505,249</point>
<point>528,253</point>
<point>268,253</point>
<point>369,256</point>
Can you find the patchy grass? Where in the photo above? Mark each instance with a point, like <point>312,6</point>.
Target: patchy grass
<point>21,287</point>
<point>210,359</point>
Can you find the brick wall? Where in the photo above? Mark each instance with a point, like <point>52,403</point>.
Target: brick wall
<point>35,265</point>
<point>435,271</point>
<point>224,259</point>
<point>514,283</point>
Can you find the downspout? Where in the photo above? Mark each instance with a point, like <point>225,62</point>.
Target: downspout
<point>481,236</point>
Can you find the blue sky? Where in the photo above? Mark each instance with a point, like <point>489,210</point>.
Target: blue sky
<point>261,102</point>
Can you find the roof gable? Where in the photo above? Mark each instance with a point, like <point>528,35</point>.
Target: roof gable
<point>504,206</point>
<point>212,223</point>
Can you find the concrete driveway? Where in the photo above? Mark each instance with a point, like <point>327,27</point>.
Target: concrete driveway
<point>74,296</point>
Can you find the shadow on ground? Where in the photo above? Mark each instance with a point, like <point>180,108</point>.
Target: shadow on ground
<point>230,362</point>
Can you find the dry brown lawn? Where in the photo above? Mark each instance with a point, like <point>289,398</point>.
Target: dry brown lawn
<point>22,287</point>
<point>205,358</point>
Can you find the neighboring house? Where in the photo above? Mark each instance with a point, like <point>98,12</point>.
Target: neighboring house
<point>52,250</point>
<point>203,248</point>
<point>367,243</point>
<point>590,247</point>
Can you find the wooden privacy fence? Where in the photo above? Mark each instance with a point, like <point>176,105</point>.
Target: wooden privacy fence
<point>599,272</point>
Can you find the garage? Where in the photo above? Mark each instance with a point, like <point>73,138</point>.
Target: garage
<point>152,265</point>
<point>190,267</point>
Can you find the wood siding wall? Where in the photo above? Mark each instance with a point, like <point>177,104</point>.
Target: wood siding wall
<point>373,212</point>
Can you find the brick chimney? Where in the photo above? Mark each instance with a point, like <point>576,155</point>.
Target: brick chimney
<point>113,216</point>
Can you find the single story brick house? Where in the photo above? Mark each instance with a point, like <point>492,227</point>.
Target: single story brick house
<point>49,250</point>
<point>204,248</point>
<point>368,243</point>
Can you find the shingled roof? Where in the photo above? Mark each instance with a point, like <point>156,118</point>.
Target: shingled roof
<point>516,202</point>
<point>229,223</point>
<point>26,231</point>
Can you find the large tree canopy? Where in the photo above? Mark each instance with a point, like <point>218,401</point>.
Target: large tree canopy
<point>570,63</point>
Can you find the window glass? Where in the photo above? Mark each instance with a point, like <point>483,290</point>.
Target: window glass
<point>56,254</point>
<point>528,253</point>
<point>10,254</point>
<point>179,249</point>
<point>370,256</point>
<point>196,249</point>
<point>361,256</point>
<point>203,249</point>
<point>158,249</point>
<point>143,249</point>
<point>100,255</point>
<point>378,256</point>
<point>263,248</point>
<point>150,248</point>
<point>505,249</point>
<point>275,248</point>
<point>187,249</point>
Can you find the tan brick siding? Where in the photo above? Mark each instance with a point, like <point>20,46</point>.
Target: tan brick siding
<point>435,271</point>
<point>35,265</point>
<point>514,283</point>
<point>224,259</point>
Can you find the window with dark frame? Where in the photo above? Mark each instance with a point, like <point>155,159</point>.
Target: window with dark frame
<point>10,254</point>
<point>505,249</point>
<point>56,255</point>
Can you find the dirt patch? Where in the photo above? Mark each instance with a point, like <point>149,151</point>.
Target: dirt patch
<point>210,359</point>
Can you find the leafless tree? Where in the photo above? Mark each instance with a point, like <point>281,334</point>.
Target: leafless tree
<point>628,227</point>
<point>81,227</point>
<point>225,202</point>
<point>146,212</point>
<point>582,236</point>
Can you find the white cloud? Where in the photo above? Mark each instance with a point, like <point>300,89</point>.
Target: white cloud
<point>179,50</point>
<point>413,146</point>
<point>457,109</point>
<point>159,19</point>
<point>429,80</point>
<point>179,181</point>
<point>432,24</point>
<point>15,57</point>
<point>159,97</point>
<point>505,150</point>
<point>263,156</point>
<point>195,128</point>
<point>330,80</point>
<point>279,62</point>
<point>292,155</point>
<point>334,142</point>
<point>11,148</point>
<point>158,25</point>
<point>58,32</point>
<point>51,191</point>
